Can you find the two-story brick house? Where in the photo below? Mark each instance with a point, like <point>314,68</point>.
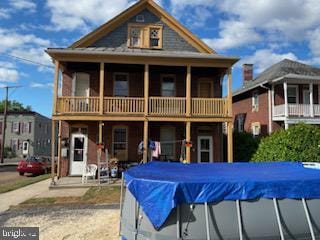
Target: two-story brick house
<point>27,133</point>
<point>141,76</point>
<point>284,94</point>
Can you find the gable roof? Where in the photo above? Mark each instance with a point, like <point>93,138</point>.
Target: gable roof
<point>135,9</point>
<point>283,69</point>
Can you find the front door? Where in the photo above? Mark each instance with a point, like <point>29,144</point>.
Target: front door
<point>205,149</point>
<point>78,156</point>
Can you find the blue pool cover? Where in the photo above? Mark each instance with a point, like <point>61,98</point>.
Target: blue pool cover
<point>159,187</point>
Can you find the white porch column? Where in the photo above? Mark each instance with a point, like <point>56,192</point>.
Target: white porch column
<point>286,107</point>
<point>311,99</point>
<point>270,110</point>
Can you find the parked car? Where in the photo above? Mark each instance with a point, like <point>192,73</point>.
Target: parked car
<point>34,165</point>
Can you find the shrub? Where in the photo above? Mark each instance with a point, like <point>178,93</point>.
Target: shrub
<point>245,145</point>
<point>300,142</point>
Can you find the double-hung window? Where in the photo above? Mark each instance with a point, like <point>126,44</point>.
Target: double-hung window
<point>121,85</point>
<point>255,101</point>
<point>292,94</point>
<point>168,88</point>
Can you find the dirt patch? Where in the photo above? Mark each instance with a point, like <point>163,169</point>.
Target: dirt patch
<point>9,177</point>
<point>78,222</point>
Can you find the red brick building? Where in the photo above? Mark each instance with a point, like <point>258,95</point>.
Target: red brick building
<point>286,93</point>
<point>141,76</point>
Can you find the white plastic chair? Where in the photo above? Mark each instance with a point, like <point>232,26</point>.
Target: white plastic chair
<point>89,171</point>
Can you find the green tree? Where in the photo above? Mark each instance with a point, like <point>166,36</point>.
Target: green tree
<point>14,106</point>
<point>300,142</point>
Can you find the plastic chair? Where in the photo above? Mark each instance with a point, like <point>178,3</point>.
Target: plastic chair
<point>89,171</point>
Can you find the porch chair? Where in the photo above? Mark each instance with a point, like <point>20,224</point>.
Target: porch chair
<point>89,171</point>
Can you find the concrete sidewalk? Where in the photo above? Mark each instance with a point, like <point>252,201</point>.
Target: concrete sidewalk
<point>20,195</point>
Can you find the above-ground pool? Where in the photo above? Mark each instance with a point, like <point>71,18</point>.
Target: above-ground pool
<point>221,201</point>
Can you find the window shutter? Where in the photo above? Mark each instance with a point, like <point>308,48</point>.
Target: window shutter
<point>12,127</point>
<point>22,127</point>
<point>30,124</point>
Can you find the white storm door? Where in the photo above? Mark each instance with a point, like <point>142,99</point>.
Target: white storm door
<point>205,149</point>
<point>78,155</point>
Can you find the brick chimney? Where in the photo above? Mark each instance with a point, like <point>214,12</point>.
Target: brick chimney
<point>247,73</point>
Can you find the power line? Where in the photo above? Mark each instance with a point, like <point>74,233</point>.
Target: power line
<point>27,60</point>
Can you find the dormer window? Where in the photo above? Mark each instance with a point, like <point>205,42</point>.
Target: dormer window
<point>136,37</point>
<point>154,37</point>
<point>145,36</point>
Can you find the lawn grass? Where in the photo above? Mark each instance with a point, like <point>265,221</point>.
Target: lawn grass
<point>6,187</point>
<point>95,195</point>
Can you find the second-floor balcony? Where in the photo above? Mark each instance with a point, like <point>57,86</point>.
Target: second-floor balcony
<point>297,110</point>
<point>157,106</point>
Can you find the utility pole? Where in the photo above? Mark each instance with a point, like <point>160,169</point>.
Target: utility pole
<point>4,124</point>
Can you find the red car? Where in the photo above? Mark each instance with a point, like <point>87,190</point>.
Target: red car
<point>34,165</point>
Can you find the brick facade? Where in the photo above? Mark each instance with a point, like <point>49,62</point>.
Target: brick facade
<point>243,105</point>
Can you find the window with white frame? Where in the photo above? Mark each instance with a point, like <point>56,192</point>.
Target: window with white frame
<point>121,85</point>
<point>256,129</point>
<point>168,87</point>
<point>255,101</point>
<point>145,36</point>
<point>292,94</point>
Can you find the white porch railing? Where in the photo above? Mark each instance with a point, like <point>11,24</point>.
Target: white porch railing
<point>299,110</point>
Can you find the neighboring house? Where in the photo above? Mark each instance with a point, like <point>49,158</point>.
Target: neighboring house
<point>286,93</point>
<point>141,76</point>
<point>27,134</point>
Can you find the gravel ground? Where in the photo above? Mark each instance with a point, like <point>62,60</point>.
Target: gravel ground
<point>87,222</point>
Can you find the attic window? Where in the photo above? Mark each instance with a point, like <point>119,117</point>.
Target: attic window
<point>145,36</point>
<point>135,38</point>
<point>140,18</point>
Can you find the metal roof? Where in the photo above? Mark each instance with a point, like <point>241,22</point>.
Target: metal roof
<point>121,51</point>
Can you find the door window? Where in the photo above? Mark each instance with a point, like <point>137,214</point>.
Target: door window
<point>205,149</point>
<point>205,89</point>
<point>78,149</point>
<point>306,97</point>
<point>81,82</point>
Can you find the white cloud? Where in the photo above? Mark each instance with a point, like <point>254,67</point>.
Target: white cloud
<point>244,21</point>
<point>233,34</point>
<point>8,75</point>
<point>82,14</point>
<point>264,58</point>
<point>314,42</point>
<point>23,5</point>
<point>4,13</point>
<point>4,64</point>
<point>41,85</point>
<point>12,39</point>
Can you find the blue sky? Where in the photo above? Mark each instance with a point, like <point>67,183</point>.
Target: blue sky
<point>261,32</point>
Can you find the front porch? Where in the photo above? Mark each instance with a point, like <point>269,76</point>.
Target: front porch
<point>296,99</point>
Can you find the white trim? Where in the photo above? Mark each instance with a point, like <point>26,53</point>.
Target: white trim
<point>114,80</point>
<point>311,99</point>
<point>297,92</point>
<point>210,148</point>
<point>270,111</point>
